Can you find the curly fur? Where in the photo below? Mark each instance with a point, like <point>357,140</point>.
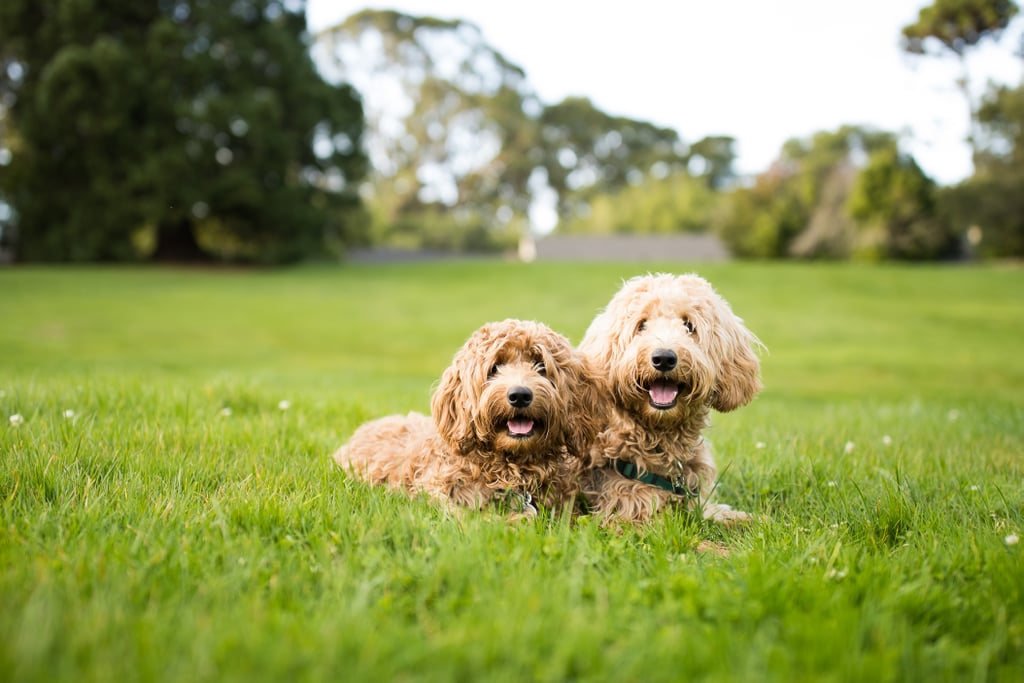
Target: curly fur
<point>715,366</point>
<point>470,451</point>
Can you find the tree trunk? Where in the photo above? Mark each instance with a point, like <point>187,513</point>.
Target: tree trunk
<point>176,243</point>
<point>964,85</point>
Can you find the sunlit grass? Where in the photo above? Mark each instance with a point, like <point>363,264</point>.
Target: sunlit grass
<point>168,509</point>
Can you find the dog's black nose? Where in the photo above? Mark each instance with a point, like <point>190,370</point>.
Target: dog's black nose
<point>520,397</point>
<point>664,360</point>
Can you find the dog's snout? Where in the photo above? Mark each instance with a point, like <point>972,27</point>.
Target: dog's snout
<point>519,397</point>
<point>664,360</point>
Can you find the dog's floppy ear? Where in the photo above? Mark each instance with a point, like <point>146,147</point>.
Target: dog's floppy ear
<point>587,406</point>
<point>577,383</point>
<point>451,405</point>
<point>737,366</point>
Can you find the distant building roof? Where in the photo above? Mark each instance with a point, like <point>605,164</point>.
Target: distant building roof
<point>688,247</point>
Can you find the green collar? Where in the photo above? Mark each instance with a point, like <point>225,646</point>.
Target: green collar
<point>630,471</point>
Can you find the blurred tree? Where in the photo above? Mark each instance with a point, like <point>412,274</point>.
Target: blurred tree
<point>956,27</point>
<point>180,129</point>
<point>678,203</point>
<point>897,205</point>
<point>447,125</point>
<point>586,152</point>
<point>992,200</point>
<point>799,206</point>
<point>455,126</point>
<point>831,232</point>
<point>713,159</point>
<point>825,167</point>
<point>762,220</point>
<point>813,160</point>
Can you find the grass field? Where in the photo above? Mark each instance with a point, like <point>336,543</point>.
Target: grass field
<point>169,511</point>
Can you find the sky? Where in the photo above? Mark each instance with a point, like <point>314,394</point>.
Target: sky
<point>760,71</point>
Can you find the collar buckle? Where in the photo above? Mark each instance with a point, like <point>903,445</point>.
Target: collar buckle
<point>676,484</point>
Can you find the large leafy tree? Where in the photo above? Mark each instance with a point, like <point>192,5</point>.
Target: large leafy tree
<point>587,152</point>
<point>991,201</point>
<point>799,206</point>
<point>456,131</point>
<point>446,118</point>
<point>762,220</point>
<point>896,205</point>
<point>179,129</point>
<point>956,27</point>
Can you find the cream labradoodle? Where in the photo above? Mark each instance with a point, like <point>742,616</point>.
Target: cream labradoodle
<point>669,349</point>
<point>509,423</point>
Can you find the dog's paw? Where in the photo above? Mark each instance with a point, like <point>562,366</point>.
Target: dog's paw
<point>724,514</point>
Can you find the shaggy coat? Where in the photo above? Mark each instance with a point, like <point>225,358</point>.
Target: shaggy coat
<point>668,350</point>
<point>509,422</point>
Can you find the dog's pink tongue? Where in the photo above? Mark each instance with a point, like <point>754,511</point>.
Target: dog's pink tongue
<point>520,426</point>
<point>664,392</point>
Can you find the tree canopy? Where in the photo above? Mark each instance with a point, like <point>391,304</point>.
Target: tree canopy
<point>838,194</point>
<point>957,25</point>
<point>455,129</point>
<point>991,201</point>
<point>180,129</point>
<point>445,117</point>
<point>190,129</point>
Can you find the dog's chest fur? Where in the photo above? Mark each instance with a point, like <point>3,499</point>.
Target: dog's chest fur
<point>669,452</point>
<point>480,476</point>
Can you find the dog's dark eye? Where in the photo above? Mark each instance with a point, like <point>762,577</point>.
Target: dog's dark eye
<point>541,368</point>
<point>641,326</point>
<point>689,326</point>
<point>493,371</point>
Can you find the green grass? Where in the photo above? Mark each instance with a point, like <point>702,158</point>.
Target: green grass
<point>150,536</point>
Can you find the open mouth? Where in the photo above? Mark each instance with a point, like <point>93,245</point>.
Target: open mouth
<point>521,427</point>
<point>663,394</point>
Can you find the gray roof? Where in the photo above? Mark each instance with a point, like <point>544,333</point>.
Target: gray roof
<point>689,247</point>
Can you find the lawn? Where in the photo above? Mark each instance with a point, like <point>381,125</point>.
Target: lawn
<point>169,510</point>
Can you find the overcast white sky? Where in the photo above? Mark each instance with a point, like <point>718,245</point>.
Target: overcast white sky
<point>761,71</point>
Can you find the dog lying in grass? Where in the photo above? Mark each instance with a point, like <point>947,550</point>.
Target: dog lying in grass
<point>668,350</point>
<point>510,423</point>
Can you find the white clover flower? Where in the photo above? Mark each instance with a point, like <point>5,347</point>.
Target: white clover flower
<point>225,412</point>
<point>886,440</point>
<point>953,415</point>
<point>16,420</point>
<point>284,404</point>
<point>759,445</point>
<point>848,448</point>
<point>974,487</point>
<point>831,484</point>
<point>69,413</point>
<point>1012,539</point>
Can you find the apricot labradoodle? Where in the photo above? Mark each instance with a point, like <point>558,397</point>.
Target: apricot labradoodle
<point>668,349</point>
<point>509,423</point>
